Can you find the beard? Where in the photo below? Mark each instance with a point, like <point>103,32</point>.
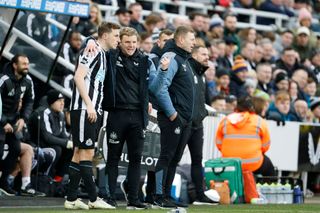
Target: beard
<point>23,72</point>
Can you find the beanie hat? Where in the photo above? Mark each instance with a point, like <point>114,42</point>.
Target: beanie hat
<point>281,76</point>
<point>239,65</point>
<point>53,96</point>
<point>216,21</point>
<point>314,103</point>
<point>304,14</point>
<point>221,72</point>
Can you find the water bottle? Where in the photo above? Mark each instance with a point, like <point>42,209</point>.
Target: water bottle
<point>287,194</point>
<point>265,190</point>
<point>297,195</point>
<point>177,210</point>
<point>273,193</point>
<point>279,193</point>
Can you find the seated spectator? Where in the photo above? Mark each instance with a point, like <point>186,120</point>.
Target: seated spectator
<point>301,110</point>
<point>301,43</point>
<point>250,85</point>
<point>279,110</point>
<point>238,77</point>
<point>230,30</point>
<point>284,40</point>
<point>260,105</point>
<point>197,24</point>
<point>216,30</point>
<point>289,61</point>
<point>245,135</point>
<point>301,77</point>
<point>281,82</point>
<point>275,6</point>
<point>293,90</point>
<point>258,54</point>
<point>248,53</point>
<point>146,43</point>
<point>53,133</point>
<point>231,103</point>
<point>219,103</point>
<point>268,51</point>
<point>227,59</point>
<point>305,20</point>
<point>315,62</point>
<point>311,88</point>
<point>123,17</point>
<point>264,75</point>
<point>315,108</point>
<point>222,82</point>
<point>248,35</point>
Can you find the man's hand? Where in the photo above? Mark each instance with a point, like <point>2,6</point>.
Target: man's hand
<point>173,117</point>
<point>92,114</point>
<point>164,63</point>
<point>150,108</point>
<point>91,48</point>
<point>8,128</point>
<point>20,124</point>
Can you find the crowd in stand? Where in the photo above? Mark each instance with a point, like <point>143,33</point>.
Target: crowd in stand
<point>280,71</point>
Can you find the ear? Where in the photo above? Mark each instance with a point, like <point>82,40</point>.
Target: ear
<point>14,65</point>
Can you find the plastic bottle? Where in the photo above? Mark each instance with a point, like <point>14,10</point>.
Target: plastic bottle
<point>287,191</point>
<point>297,195</point>
<point>279,193</point>
<point>272,193</point>
<point>265,190</point>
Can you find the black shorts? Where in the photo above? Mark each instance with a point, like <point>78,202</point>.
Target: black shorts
<point>84,133</point>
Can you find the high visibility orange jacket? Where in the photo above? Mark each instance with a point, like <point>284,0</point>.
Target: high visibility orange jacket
<point>244,135</point>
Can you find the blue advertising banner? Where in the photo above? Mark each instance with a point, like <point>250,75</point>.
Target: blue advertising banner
<point>70,8</point>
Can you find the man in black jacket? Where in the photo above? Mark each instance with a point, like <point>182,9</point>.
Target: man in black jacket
<point>130,76</point>
<point>199,64</point>
<point>176,100</point>
<point>17,94</point>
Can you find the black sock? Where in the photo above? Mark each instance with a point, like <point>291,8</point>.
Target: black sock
<point>88,178</point>
<point>74,179</point>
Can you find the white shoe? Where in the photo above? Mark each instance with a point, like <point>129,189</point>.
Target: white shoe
<point>100,204</point>
<point>77,204</point>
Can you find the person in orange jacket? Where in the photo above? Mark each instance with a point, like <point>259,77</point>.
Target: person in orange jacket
<point>245,135</point>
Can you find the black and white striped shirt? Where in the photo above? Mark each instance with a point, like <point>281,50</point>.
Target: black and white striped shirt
<point>96,66</point>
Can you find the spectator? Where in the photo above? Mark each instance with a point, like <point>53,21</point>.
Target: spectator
<point>311,88</point>
<point>315,64</point>
<point>301,77</point>
<point>230,29</point>
<point>248,53</point>
<point>283,41</point>
<point>15,85</point>
<point>280,110</point>
<point>214,52</point>
<point>281,82</point>
<point>240,127</point>
<point>289,61</point>
<point>197,21</point>
<point>219,103</point>
<point>258,54</point>
<point>268,51</point>
<point>250,86</point>
<point>146,43</point>
<point>301,109</point>
<point>293,90</point>
<point>135,17</point>
<point>238,77</point>
<point>315,108</point>
<point>275,6</point>
<point>305,20</point>
<point>53,133</point>
<point>179,21</point>
<point>123,17</point>
<point>226,61</point>
<point>222,82</point>
<point>248,35</point>
<point>301,43</point>
<point>152,23</point>
<point>264,75</point>
<point>231,103</point>
<point>260,105</point>
<point>89,26</point>
<point>216,30</point>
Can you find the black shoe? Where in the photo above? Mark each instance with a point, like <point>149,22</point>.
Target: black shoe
<point>124,188</point>
<point>6,190</point>
<point>136,205</point>
<point>204,200</point>
<point>177,203</point>
<point>163,203</point>
<point>29,191</point>
<point>149,199</point>
<point>112,201</point>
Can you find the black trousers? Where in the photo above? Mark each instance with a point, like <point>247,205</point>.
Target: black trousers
<point>195,144</point>
<point>125,126</point>
<point>9,163</point>
<point>267,168</point>
<point>173,139</point>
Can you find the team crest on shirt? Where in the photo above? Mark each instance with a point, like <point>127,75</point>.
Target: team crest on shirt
<point>89,142</point>
<point>184,67</point>
<point>113,138</point>
<point>11,93</point>
<point>135,63</point>
<point>177,131</point>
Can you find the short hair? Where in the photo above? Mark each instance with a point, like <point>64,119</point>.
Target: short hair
<point>153,19</point>
<point>282,95</point>
<point>262,65</point>
<point>144,36</point>
<point>71,33</point>
<point>133,5</point>
<point>16,57</point>
<point>107,27</point>
<point>182,31</point>
<point>218,97</point>
<point>258,104</point>
<point>196,48</point>
<point>286,50</point>
<point>166,32</point>
<point>129,31</point>
<point>193,15</point>
<point>245,104</point>
<point>245,43</point>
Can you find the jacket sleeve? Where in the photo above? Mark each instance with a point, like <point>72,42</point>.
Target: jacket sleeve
<point>265,136</point>
<point>46,132</point>
<point>27,102</point>
<point>162,95</point>
<point>219,134</point>
<point>3,120</point>
<point>156,78</point>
